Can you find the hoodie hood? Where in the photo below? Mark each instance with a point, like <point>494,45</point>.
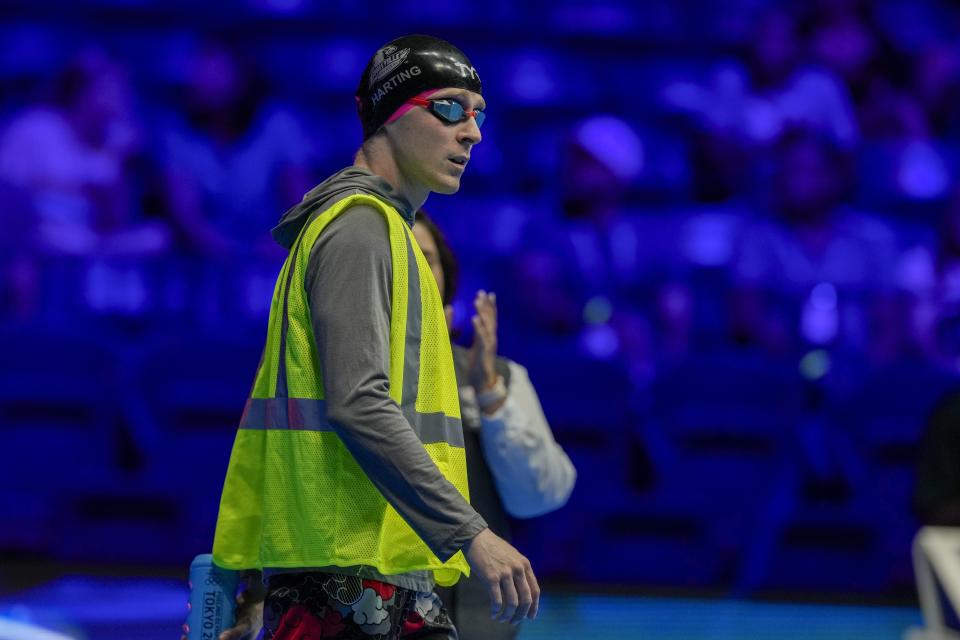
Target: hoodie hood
<point>347,182</point>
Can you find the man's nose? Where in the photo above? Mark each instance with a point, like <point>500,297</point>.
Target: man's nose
<point>469,132</point>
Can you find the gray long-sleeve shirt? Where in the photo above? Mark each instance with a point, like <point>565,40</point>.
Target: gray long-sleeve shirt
<point>349,283</point>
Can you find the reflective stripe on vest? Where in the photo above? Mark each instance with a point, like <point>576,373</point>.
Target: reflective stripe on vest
<point>311,415</point>
<point>294,496</point>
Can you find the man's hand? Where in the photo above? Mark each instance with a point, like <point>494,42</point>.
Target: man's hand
<point>249,618</point>
<point>514,592</point>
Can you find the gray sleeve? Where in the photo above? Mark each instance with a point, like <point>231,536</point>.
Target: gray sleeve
<point>349,282</point>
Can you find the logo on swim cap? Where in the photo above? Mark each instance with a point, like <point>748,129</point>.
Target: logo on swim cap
<point>466,70</point>
<point>386,60</point>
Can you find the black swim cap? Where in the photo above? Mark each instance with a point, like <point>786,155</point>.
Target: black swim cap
<point>404,68</point>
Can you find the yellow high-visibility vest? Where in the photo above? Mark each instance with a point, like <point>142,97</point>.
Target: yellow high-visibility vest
<point>293,495</point>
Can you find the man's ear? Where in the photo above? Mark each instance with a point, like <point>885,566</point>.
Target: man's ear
<point>448,312</point>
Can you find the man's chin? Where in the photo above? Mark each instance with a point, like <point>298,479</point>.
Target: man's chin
<point>447,187</point>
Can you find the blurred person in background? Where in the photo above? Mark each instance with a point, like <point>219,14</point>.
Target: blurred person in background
<point>230,156</point>
<point>579,276</point>
<point>937,493</point>
<point>904,107</point>
<point>76,169</point>
<point>929,275</point>
<point>746,107</point>
<point>815,253</point>
<point>19,271</point>
<point>841,37</point>
<point>890,110</point>
<point>513,462</point>
<point>77,160</point>
<point>936,76</point>
<point>601,158</point>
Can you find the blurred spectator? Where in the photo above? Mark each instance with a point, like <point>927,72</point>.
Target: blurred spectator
<point>889,105</point>
<point>902,101</point>
<point>745,109</point>
<point>539,291</point>
<point>937,494</point>
<point>74,159</point>
<point>843,39</point>
<point>581,279</point>
<point>936,83</point>
<point>889,112</point>
<point>810,274</point>
<point>231,157</point>
<point>930,277</point>
<point>587,248</point>
<point>19,272</point>
<point>600,160</point>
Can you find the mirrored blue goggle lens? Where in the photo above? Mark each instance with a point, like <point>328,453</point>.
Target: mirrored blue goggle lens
<point>453,112</point>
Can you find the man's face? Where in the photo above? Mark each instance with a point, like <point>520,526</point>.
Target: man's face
<point>429,248</point>
<point>432,153</point>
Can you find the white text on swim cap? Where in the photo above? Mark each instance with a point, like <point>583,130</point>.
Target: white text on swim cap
<point>393,82</point>
<point>465,70</point>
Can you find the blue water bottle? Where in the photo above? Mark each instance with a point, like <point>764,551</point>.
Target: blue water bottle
<point>213,603</point>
